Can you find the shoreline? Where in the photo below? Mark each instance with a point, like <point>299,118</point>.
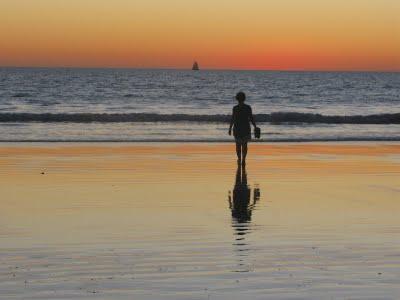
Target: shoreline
<point>227,150</point>
<point>177,141</point>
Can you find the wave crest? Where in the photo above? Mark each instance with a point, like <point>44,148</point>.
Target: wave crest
<point>275,118</point>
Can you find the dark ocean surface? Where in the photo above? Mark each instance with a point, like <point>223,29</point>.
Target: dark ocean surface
<point>39,104</point>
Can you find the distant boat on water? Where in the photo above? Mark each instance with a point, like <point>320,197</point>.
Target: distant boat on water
<point>195,66</point>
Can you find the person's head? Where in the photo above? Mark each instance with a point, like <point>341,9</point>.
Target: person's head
<point>240,97</point>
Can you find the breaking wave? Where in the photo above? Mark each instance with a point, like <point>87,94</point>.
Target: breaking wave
<point>275,118</point>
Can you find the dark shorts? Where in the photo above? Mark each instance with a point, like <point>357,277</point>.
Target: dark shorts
<point>242,133</point>
<point>243,139</point>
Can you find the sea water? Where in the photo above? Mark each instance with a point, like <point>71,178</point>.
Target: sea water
<point>66,104</point>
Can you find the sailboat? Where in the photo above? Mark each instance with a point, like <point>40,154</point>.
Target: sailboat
<point>195,66</point>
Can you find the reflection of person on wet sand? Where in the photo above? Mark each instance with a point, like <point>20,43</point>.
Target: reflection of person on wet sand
<point>241,206</point>
<point>240,199</point>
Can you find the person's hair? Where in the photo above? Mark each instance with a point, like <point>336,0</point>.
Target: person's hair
<point>240,97</point>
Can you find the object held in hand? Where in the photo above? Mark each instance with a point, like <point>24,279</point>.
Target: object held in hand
<point>257,132</point>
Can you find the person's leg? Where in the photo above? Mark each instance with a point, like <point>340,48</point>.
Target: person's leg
<point>244,152</point>
<point>239,151</point>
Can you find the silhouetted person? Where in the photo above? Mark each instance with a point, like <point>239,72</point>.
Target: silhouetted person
<point>241,117</point>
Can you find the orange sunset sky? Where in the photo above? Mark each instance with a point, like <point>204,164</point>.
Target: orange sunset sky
<point>220,34</point>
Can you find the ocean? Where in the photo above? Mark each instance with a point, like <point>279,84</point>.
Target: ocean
<point>132,105</point>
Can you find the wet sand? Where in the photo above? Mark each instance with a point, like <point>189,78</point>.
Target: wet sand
<point>174,221</point>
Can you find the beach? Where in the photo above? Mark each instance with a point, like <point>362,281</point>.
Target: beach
<point>173,221</point>
<point>200,150</point>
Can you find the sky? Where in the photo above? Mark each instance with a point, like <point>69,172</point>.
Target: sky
<point>219,34</point>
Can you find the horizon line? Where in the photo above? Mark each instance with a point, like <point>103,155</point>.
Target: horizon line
<point>201,69</point>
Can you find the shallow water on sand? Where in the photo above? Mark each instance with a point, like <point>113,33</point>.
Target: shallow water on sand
<point>173,221</point>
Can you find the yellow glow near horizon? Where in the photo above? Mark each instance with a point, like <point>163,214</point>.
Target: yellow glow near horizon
<point>252,34</point>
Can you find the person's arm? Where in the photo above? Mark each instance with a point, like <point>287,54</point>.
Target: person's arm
<point>232,121</point>
<point>252,118</point>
